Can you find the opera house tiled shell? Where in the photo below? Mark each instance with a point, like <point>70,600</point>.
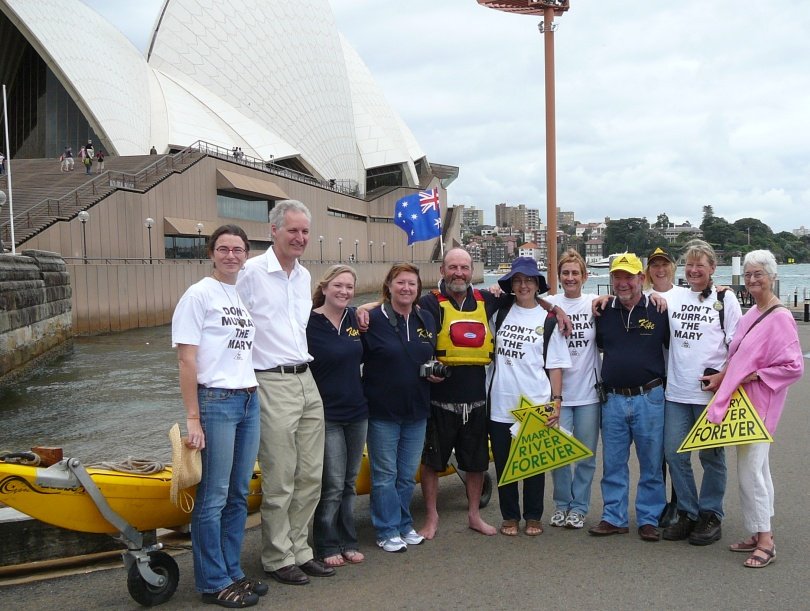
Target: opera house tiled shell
<point>273,77</point>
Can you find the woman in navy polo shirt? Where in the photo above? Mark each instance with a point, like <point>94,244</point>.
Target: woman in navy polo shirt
<point>334,342</point>
<point>400,339</point>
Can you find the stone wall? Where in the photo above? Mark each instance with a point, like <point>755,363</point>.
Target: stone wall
<point>35,310</point>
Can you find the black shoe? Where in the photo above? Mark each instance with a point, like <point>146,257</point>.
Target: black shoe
<point>316,568</point>
<point>681,529</point>
<point>290,574</point>
<point>707,531</point>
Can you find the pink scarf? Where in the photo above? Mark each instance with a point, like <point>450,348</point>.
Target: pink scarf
<point>771,349</point>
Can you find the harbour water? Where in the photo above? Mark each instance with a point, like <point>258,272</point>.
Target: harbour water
<point>116,396</point>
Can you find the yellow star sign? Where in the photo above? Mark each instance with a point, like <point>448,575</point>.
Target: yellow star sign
<point>538,447</point>
<point>741,425</point>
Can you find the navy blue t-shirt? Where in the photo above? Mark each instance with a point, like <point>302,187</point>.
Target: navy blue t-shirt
<point>633,343</point>
<point>336,367</point>
<point>392,359</point>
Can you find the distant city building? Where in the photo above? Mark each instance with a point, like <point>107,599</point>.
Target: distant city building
<point>529,249</point>
<point>565,218</point>
<point>801,231</point>
<point>519,217</point>
<point>474,248</point>
<point>595,229</point>
<point>471,217</point>
<point>594,250</point>
<point>675,232</point>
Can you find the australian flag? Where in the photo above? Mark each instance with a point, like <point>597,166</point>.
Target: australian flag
<point>418,215</point>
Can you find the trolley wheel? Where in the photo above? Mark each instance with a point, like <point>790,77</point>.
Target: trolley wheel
<point>145,593</point>
<point>486,490</point>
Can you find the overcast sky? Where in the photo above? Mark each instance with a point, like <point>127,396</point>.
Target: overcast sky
<point>661,106</point>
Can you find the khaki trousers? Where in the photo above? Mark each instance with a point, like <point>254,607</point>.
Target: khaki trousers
<point>291,458</point>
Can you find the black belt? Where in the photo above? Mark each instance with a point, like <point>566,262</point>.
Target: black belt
<point>286,369</point>
<point>252,389</point>
<point>636,390</point>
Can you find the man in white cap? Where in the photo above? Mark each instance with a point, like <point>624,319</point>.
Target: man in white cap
<point>632,335</point>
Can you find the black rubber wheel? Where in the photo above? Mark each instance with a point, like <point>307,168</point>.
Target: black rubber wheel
<point>486,490</point>
<point>148,595</point>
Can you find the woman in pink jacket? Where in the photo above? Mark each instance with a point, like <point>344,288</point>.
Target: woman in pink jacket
<point>765,357</point>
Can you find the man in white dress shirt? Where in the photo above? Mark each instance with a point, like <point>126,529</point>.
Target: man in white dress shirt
<point>275,288</point>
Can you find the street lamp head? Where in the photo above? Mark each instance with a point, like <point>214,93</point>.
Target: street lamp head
<point>2,198</point>
<point>200,227</point>
<point>371,242</point>
<point>357,241</point>
<point>83,216</point>
<point>340,239</point>
<point>149,222</point>
<point>383,244</point>
<point>320,238</point>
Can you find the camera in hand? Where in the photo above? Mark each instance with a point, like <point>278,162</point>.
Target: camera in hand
<point>708,372</point>
<point>434,368</point>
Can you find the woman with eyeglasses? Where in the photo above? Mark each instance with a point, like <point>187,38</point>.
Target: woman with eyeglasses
<point>213,333</point>
<point>765,357</point>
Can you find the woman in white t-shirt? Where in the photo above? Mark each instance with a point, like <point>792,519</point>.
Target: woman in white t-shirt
<point>213,333</point>
<point>518,371</point>
<point>581,407</point>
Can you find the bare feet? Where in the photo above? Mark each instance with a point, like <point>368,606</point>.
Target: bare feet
<point>478,524</point>
<point>429,528</point>
<point>334,561</point>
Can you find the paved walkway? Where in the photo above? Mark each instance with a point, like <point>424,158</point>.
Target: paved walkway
<point>560,569</point>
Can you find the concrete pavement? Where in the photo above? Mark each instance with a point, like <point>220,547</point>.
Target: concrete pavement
<point>559,569</point>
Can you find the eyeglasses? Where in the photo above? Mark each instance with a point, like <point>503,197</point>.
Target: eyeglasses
<point>224,250</point>
<point>754,275</point>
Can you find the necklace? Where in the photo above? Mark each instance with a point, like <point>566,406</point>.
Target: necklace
<point>629,314</point>
<point>770,301</point>
<point>236,312</point>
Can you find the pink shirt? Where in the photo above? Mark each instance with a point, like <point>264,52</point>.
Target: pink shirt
<point>771,350</point>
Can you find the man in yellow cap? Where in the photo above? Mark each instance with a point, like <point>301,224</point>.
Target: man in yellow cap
<point>632,335</point>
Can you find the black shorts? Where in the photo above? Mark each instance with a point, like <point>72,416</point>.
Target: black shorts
<point>446,431</point>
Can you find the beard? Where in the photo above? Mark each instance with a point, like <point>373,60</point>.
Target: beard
<point>457,286</point>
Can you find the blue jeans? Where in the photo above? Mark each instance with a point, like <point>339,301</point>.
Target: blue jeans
<point>230,421</point>
<point>627,420</point>
<point>333,529</point>
<point>394,451</point>
<point>679,420</point>
<point>509,494</point>
<point>572,483</point>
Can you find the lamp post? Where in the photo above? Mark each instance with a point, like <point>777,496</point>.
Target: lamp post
<point>340,250</point>
<point>84,215</point>
<point>320,239</point>
<point>411,253</point>
<point>149,223</point>
<point>371,251</point>
<point>356,246</point>
<point>199,249</point>
<point>548,9</point>
<point>383,245</point>
<point>748,229</point>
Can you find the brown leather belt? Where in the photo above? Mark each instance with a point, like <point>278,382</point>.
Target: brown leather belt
<point>286,369</point>
<point>634,391</point>
<point>252,389</point>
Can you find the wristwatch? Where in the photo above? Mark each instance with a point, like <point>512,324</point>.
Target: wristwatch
<point>556,397</point>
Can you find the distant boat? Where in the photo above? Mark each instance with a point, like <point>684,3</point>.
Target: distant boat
<point>602,263</point>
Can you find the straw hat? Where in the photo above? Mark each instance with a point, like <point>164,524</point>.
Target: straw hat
<point>186,470</point>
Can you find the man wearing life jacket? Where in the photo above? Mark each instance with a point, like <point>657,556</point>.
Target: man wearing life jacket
<point>458,415</point>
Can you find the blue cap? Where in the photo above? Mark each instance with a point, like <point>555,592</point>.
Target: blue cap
<point>528,267</point>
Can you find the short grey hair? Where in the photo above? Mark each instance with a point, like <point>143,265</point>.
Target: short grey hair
<point>762,258</point>
<point>276,216</point>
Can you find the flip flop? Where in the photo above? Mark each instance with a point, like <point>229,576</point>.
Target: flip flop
<point>352,556</point>
<point>334,561</point>
<point>509,528</point>
<point>758,561</point>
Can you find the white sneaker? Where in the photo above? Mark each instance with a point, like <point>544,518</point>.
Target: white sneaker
<point>558,518</point>
<point>412,538</point>
<point>574,520</point>
<point>393,544</point>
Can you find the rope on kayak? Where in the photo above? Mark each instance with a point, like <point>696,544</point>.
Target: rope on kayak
<point>20,458</point>
<point>141,466</point>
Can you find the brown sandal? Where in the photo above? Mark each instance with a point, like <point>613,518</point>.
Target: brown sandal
<point>509,528</point>
<point>353,556</point>
<point>233,597</point>
<point>747,546</point>
<point>534,528</point>
<point>760,561</point>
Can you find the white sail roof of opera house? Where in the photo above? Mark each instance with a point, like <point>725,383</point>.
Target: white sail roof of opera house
<point>273,77</point>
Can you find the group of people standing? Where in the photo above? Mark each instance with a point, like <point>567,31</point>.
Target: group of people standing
<point>306,381</point>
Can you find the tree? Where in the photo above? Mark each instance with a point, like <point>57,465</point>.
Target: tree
<point>662,222</point>
<point>631,235</point>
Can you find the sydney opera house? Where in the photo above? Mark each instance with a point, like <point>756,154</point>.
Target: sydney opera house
<point>245,102</point>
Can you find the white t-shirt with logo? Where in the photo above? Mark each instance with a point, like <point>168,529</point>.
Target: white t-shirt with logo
<point>697,341</point>
<point>211,316</point>
<point>519,362</point>
<point>580,379</point>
